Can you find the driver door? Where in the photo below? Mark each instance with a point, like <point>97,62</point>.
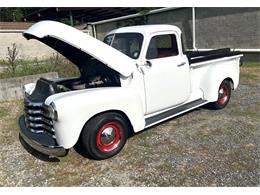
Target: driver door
<point>166,73</point>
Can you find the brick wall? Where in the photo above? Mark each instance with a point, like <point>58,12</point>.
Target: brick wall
<point>228,27</point>
<point>15,25</point>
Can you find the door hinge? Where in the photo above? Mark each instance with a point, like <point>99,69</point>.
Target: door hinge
<point>140,69</point>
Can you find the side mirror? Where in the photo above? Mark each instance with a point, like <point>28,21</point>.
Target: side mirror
<point>148,64</point>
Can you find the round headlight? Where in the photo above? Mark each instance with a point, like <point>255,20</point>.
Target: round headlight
<point>52,112</point>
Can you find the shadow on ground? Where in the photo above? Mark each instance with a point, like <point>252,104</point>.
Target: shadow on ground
<point>37,154</point>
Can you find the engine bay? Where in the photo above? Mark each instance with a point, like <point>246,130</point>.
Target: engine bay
<point>71,84</point>
<point>93,75</point>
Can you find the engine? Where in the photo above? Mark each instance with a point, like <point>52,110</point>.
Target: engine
<point>98,81</point>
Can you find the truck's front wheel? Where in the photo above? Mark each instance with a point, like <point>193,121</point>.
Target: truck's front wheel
<point>104,136</point>
<point>224,94</point>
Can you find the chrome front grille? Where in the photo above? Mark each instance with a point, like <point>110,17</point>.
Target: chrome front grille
<point>36,118</point>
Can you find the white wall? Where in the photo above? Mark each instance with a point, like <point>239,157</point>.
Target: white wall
<point>29,49</point>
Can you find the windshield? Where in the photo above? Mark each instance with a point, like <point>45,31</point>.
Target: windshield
<point>128,43</point>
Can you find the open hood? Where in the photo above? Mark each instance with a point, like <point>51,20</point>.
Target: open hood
<point>79,47</point>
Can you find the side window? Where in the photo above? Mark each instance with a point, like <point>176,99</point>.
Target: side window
<point>120,44</point>
<point>162,46</point>
<point>134,48</point>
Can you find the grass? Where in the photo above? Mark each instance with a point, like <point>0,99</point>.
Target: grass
<point>249,74</point>
<point>3,112</point>
<point>25,68</point>
<point>10,112</point>
<point>2,62</point>
<point>251,64</point>
<point>57,63</point>
<point>246,75</point>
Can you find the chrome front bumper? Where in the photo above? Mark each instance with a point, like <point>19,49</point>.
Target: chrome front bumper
<point>42,142</point>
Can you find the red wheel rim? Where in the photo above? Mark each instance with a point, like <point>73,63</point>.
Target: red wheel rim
<point>109,137</point>
<point>223,94</point>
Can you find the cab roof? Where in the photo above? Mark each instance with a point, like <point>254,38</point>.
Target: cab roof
<point>146,29</point>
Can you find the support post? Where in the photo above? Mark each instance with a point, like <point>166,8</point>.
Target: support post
<point>71,19</point>
<point>193,29</point>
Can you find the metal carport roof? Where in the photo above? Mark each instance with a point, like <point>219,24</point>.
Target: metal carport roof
<point>87,14</point>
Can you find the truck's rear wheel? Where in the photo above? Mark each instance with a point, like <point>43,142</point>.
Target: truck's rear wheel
<point>104,136</point>
<point>224,94</point>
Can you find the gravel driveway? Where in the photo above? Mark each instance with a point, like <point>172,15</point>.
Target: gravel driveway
<point>200,148</point>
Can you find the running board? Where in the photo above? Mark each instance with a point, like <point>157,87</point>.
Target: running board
<point>173,112</point>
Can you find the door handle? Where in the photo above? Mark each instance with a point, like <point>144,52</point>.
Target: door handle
<point>181,64</point>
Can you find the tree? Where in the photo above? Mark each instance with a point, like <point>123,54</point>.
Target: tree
<point>12,14</point>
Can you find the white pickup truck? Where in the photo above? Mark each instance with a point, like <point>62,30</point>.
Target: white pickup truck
<point>138,77</point>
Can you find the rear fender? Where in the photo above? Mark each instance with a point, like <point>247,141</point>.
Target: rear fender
<point>216,73</point>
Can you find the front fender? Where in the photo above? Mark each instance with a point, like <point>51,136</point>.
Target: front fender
<point>77,107</point>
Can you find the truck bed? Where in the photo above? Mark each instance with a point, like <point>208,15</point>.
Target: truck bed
<point>201,56</point>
